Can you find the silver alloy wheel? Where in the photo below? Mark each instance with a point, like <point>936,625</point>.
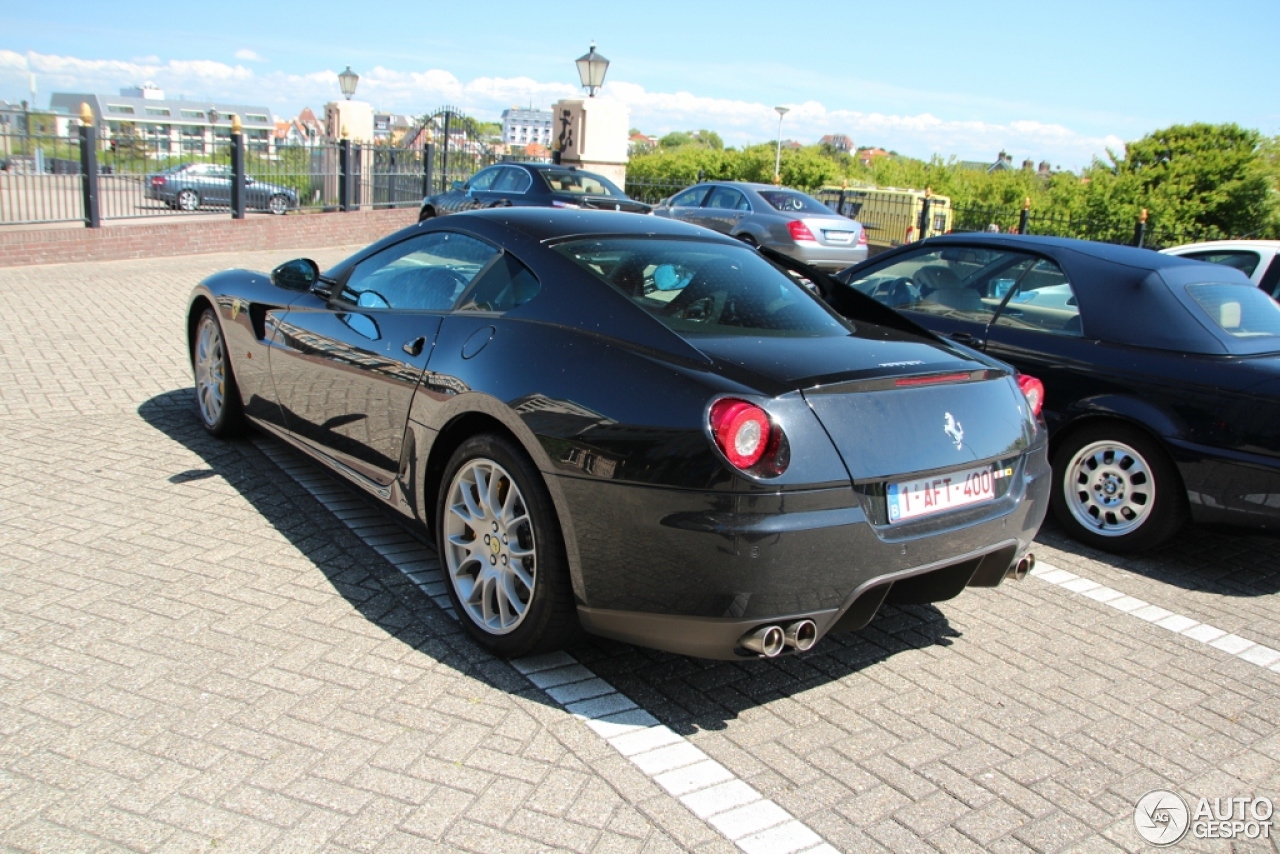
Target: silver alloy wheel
<point>1109,488</point>
<point>188,200</point>
<point>489,549</point>
<point>278,205</point>
<point>211,371</point>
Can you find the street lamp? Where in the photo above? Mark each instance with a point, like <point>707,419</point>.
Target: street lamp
<point>777,160</point>
<point>348,80</point>
<point>213,130</point>
<point>591,70</point>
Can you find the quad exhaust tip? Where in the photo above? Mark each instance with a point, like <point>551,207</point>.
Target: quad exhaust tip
<point>1023,567</point>
<point>801,635</point>
<point>770,641</point>
<point>766,640</point>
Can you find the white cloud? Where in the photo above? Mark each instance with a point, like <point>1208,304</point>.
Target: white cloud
<point>417,92</point>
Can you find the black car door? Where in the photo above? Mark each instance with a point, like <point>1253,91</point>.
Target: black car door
<point>346,368</point>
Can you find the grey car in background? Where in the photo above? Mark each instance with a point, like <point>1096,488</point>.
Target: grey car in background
<point>798,226</point>
<point>208,185</point>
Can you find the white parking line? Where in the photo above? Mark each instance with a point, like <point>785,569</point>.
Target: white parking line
<point>1242,648</point>
<point>710,791</point>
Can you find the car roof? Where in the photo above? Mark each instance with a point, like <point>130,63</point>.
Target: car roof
<point>543,224</point>
<point>1210,245</point>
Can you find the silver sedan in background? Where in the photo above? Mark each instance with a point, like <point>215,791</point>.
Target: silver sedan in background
<point>796,225</point>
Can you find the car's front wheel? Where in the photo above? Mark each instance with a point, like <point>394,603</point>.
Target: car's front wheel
<point>188,200</point>
<point>217,396</point>
<point>1116,489</point>
<point>501,548</point>
<point>426,214</point>
<point>278,204</point>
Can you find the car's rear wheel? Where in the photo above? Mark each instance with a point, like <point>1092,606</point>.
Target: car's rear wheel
<point>217,396</point>
<point>278,204</point>
<point>188,200</point>
<point>748,239</point>
<point>501,548</point>
<point>426,214</point>
<point>1116,489</point>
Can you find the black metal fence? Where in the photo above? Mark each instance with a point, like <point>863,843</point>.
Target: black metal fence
<point>81,178</point>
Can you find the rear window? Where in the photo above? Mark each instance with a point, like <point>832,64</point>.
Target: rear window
<point>1238,310</point>
<point>790,200</point>
<point>706,288</point>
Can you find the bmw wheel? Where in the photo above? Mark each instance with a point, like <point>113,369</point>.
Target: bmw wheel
<point>217,396</point>
<point>502,551</point>
<point>1116,489</point>
<point>278,204</point>
<point>188,200</point>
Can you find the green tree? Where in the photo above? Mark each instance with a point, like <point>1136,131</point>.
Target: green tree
<point>1196,180</point>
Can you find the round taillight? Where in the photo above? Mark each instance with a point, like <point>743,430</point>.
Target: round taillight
<point>741,431</point>
<point>1033,391</point>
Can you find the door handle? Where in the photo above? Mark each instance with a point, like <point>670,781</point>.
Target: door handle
<point>964,338</point>
<point>414,347</point>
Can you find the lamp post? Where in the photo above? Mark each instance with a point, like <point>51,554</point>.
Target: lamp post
<point>348,80</point>
<point>213,131</point>
<point>591,70</point>
<point>777,160</point>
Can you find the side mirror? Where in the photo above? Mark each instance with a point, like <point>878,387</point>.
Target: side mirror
<point>247,180</point>
<point>300,274</point>
<point>456,185</point>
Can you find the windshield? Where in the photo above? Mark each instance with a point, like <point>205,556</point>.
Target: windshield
<point>706,288</point>
<point>580,183</point>
<point>790,200</point>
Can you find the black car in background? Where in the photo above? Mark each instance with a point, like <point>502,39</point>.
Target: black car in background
<point>634,425</point>
<point>192,186</point>
<point>544,185</point>
<point>1161,374</point>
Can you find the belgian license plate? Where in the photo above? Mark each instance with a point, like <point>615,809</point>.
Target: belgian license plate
<point>838,236</point>
<point>911,499</point>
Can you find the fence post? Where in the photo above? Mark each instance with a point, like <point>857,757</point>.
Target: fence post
<point>444,158</point>
<point>844,185</point>
<point>922,224</point>
<point>237,168</point>
<point>344,173</point>
<point>428,164</point>
<point>1140,230</point>
<point>89,167</point>
<point>1025,219</point>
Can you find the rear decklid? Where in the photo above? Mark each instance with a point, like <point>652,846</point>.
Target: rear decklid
<point>892,404</point>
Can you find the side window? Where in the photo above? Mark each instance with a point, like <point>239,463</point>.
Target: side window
<point>483,180</point>
<point>512,181</point>
<point>726,198</point>
<point>1042,299</point>
<point>964,282</point>
<point>504,285</point>
<point>690,198</point>
<point>425,273</point>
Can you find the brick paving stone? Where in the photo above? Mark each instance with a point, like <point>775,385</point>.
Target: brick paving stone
<point>193,650</point>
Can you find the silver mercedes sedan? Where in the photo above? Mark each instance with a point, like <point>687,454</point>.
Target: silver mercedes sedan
<point>798,226</point>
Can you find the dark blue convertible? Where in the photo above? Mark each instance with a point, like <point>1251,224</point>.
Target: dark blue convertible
<point>1161,375</point>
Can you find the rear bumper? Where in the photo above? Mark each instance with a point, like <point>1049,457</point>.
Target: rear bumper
<point>824,257</point>
<point>692,573</point>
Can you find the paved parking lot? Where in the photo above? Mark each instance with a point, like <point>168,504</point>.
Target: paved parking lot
<point>216,646</point>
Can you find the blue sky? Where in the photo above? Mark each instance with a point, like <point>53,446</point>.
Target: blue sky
<point>1049,80</point>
